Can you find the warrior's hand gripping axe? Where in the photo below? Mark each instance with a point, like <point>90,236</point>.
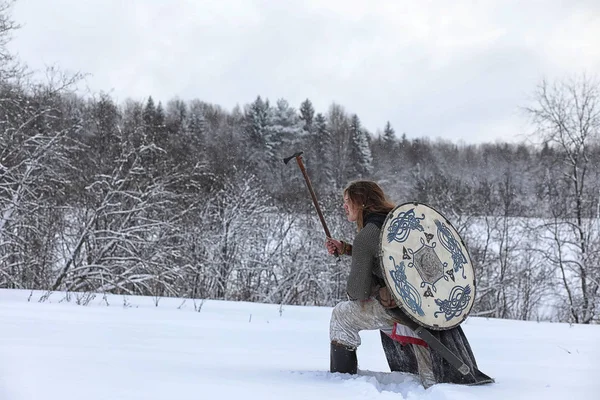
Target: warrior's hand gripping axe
<point>298,157</point>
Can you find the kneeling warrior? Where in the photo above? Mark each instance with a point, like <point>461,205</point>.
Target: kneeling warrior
<point>371,304</point>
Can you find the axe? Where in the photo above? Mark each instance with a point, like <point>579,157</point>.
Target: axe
<point>298,157</point>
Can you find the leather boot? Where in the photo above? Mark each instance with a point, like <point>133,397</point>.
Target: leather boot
<point>343,359</point>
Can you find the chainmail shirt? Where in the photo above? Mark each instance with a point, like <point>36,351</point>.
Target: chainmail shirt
<point>361,283</point>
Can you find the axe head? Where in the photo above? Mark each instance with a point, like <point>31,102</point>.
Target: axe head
<point>287,159</point>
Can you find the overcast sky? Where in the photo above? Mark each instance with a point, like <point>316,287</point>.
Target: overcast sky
<point>457,70</point>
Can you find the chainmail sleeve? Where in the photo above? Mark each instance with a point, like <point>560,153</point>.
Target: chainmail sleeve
<point>364,263</point>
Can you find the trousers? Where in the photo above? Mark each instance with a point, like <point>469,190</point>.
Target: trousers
<point>348,318</point>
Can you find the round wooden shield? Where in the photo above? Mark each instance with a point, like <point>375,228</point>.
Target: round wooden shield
<point>427,267</point>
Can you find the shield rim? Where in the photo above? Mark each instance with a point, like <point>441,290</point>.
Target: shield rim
<point>399,303</point>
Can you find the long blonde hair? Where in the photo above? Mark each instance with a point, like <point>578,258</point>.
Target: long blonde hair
<point>369,198</point>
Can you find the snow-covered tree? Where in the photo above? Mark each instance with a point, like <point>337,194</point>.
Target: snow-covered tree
<point>339,127</point>
<point>35,161</point>
<point>324,154</point>
<point>307,115</point>
<point>567,118</point>
<point>231,222</point>
<point>8,69</point>
<point>360,149</point>
<point>389,136</point>
<point>285,128</point>
<point>257,122</point>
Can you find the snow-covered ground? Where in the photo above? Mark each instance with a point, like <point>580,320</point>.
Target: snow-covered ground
<point>127,348</point>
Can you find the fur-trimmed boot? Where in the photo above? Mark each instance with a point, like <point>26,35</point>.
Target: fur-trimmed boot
<point>343,359</point>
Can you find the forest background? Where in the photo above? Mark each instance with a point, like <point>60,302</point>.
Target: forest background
<point>188,199</point>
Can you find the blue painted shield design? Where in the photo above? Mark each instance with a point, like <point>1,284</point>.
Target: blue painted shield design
<point>427,266</point>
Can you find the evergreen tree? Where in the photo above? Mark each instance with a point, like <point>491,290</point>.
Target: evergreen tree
<point>102,123</point>
<point>198,126</point>
<point>285,128</point>
<point>257,129</point>
<point>149,114</point>
<point>389,136</point>
<point>389,151</point>
<point>360,150</point>
<point>161,137</point>
<point>338,126</point>
<point>154,137</point>
<point>176,118</point>
<point>307,115</point>
<point>323,151</point>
